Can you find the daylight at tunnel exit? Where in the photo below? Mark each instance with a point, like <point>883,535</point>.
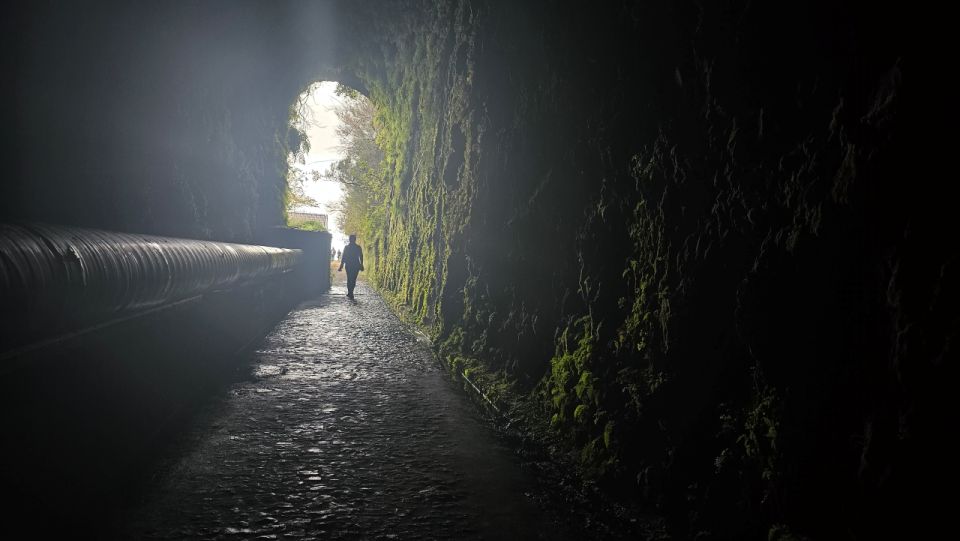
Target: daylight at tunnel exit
<point>473,269</point>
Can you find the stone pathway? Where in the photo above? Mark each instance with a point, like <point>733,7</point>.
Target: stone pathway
<point>347,429</point>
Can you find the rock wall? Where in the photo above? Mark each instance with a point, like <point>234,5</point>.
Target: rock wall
<point>690,236</point>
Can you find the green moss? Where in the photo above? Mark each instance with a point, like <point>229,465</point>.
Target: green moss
<point>580,413</point>
<point>609,437</point>
<point>419,98</point>
<point>761,434</point>
<point>613,373</point>
<point>570,383</point>
<point>310,225</point>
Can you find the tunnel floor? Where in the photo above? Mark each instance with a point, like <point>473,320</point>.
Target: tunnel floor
<point>346,428</point>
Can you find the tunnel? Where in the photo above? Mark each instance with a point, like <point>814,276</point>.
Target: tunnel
<point>632,270</point>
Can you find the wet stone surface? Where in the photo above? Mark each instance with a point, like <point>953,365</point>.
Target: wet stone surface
<point>347,429</point>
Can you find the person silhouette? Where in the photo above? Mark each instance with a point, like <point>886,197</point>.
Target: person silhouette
<point>353,259</point>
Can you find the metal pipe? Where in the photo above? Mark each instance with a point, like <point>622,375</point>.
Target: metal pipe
<point>55,278</point>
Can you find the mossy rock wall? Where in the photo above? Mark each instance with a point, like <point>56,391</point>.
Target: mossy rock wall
<point>685,232</point>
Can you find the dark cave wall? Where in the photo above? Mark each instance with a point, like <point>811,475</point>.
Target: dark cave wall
<point>691,233</point>
<point>158,117</point>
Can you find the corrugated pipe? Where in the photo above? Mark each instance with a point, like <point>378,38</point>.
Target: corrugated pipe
<point>55,278</point>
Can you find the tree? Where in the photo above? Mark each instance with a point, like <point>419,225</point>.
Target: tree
<point>360,172</point>
<point>356,130</point>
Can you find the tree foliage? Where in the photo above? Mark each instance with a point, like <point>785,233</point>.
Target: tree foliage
<point>360,172</point>
<point>296,145</point>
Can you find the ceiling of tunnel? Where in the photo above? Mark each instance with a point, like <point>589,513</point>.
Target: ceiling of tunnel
<point>164,119</point>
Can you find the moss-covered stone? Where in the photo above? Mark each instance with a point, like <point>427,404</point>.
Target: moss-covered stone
<point>657,240</point>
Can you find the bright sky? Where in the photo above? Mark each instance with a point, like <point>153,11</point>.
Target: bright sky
<point>321,130</point>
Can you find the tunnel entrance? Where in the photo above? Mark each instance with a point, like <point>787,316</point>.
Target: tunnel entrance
<point>332,154</point>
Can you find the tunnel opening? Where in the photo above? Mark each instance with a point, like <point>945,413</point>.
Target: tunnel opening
<point>334,161</point>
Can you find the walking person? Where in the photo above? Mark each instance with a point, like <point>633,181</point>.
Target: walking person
<point>352,259</point>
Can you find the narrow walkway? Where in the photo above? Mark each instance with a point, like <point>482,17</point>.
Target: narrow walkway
<point>347,429</point>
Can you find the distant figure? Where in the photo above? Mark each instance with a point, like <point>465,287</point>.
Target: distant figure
<point>338,254</point>
<point>353,260</point>
<point>333,252</point>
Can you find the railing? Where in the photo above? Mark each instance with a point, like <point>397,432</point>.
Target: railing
<point>55,278</point>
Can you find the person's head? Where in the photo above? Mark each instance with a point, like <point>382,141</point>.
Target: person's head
<point>353,239</point>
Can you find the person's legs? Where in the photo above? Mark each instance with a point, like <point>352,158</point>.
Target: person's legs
<point>351,282</point>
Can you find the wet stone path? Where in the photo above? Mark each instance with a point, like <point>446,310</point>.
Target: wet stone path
<point>347,429</point>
